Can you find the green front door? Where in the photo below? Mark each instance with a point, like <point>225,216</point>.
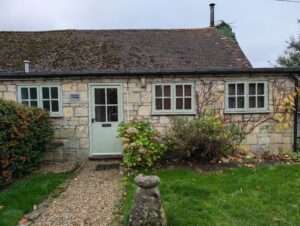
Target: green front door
<point>105,115</point>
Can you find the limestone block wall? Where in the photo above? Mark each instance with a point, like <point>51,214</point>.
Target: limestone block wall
<point>71,136</point>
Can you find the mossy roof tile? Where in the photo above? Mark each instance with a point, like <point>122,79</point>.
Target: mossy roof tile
<point>96,50</point>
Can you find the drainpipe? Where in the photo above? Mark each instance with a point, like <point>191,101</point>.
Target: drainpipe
<point>127,100</point>
<point>295,146</point>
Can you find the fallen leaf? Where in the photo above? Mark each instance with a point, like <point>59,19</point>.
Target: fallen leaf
<point>23,220</point>
<point>198,169</point>
<point>258,187</point>
<point>250,165</point>
<point>250,155</point>
<point>224,160</point>
<point>240,160</point>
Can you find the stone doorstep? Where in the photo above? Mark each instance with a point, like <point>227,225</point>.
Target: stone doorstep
<point>105,157</point>
<point>36,213</point>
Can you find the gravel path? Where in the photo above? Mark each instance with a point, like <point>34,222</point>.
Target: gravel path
<point>89,199</point>
<point>57,167</point>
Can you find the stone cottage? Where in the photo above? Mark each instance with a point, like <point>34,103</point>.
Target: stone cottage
<point>91,80</point>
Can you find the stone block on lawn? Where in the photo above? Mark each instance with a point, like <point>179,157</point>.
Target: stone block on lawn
<point>147,208</point>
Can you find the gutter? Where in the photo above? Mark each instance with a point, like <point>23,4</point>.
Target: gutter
<point>295,145</point>
<point>154,72</point>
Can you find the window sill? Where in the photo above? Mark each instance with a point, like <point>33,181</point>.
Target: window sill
<point>56,116</point>
<point>172,113</point>
<point>246,112</point>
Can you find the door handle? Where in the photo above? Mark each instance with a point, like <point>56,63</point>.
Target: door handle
<point>93,120</point>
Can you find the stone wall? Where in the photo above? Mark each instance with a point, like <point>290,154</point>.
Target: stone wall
<point>72,131</point>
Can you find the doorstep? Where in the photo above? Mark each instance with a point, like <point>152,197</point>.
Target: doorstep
<point>106,157</point>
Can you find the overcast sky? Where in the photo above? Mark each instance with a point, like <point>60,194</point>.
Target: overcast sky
<point>262,26</point>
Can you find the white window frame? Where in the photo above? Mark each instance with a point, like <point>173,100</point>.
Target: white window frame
<point>29,99</point>
<point>246,95</point>
<point>173,110</point>
<point>39,97</point>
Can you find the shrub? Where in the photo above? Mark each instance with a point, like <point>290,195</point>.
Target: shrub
<point>141,143</point>
<point>25,133</point>
<point>201,138</point>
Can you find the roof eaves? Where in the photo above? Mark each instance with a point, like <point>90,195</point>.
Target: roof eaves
<point>161,72</point>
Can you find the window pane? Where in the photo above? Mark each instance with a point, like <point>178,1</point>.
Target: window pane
<point>240,89</point>
<point>112,113</point>
<point>112,96</point>
<point>24,93</point>
<point>188,90</point>
<point>46,105</point>
<point>158,91</point>
<point>260,88</point>
<point>33,103</point>
<point>158,104</point>
<point>252,102</point>
<point>55,107</point>
<point>167,104</point>
<point>54,92</point>
<point>260,102</point>
<point>25,102</point>
<point>99,96</point>
<point>100,114</point>
<point>33,93</point>
<point>240,102</point>
<point>179,90</point>
<point>179,103</point>
<point>167,91</point>
<point>252,89</point>
<point>231,89</point>
<point>188,103</point>
<point>45,91</point>
<point>231,102</point>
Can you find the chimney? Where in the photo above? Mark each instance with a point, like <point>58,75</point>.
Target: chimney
<point>212,14</point>
<point>26,66</point>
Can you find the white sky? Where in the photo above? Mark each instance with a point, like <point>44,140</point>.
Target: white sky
<point>262,26</point>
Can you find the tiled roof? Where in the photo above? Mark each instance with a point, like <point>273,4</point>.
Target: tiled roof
<point>96,50</point>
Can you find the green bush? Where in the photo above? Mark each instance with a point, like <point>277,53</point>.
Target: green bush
<point>25,133</point>
<point>201,138</point>
<point>141,143</point>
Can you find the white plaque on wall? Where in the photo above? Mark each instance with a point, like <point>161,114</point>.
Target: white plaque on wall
<point>74,97</point>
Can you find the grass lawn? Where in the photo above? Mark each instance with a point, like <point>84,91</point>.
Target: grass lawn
<point>19,198</point>
<point>263,196</point>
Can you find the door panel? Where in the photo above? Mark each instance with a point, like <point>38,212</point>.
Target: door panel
<point>105,117</point>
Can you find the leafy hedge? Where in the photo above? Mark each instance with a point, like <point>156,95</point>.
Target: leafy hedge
<point>202,138</point>
<point>25,133</point>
